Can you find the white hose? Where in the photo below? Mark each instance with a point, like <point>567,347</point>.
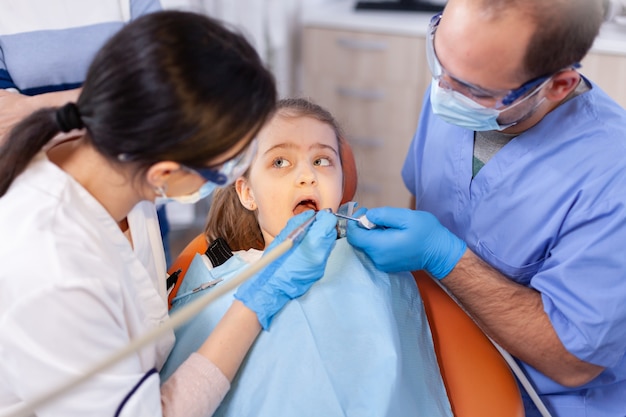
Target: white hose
<point>523,379</point>
<point>177,319</point>
<point>515,368</point>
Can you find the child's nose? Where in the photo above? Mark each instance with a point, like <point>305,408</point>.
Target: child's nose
<point>306,175</point>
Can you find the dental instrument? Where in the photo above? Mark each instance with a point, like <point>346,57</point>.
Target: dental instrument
<point>362,220</point>
<point>202,287</point>
<point>177,319</point>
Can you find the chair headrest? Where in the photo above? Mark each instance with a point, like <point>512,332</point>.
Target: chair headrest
<point>349,170</point>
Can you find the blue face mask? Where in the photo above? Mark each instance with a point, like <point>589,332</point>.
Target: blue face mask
<point>203,192</point>
<point>461,111</point>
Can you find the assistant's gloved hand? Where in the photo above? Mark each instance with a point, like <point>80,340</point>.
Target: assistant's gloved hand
<point>295,272</point>
<point>407,240</point>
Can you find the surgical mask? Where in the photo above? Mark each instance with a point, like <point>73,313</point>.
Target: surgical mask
<point>192,198</point>
<point>459,110</point>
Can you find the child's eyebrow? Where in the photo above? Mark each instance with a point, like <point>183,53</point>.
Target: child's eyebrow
<point>291,145</point>
<point>324,146</point>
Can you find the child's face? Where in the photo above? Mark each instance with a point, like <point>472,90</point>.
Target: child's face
<point>297,167</point>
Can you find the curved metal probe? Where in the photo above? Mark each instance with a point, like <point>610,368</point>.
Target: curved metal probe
<point>363,220</point>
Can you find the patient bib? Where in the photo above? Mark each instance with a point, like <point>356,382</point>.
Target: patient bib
<point>356,344</point>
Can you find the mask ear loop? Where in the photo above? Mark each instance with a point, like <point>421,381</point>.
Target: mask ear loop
<point>160,190</point>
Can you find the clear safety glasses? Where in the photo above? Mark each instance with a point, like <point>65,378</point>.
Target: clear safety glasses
<point>226,173</point>
<point>496,99</point>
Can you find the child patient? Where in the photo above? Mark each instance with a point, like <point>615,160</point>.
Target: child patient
<point>358,343</point>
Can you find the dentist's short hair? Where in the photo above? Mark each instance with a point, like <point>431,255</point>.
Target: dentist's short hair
<point>564,29</point>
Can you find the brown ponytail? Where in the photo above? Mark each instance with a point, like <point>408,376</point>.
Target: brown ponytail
<point>24,141</point>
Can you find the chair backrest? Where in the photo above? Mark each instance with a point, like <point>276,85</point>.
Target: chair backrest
<point>348,166</point>
<point>199,244</point>
<point>478,380</point>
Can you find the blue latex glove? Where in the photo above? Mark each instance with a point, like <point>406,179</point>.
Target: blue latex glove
<point>407,240</point>
<point>295,272</point>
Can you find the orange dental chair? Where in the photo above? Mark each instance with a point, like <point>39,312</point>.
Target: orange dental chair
<point>478,381</point>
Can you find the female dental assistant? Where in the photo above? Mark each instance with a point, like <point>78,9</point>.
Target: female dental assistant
<point>168,109</point>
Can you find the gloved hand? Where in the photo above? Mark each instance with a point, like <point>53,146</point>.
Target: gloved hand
<point>295,272</point>
<point>407,240</point>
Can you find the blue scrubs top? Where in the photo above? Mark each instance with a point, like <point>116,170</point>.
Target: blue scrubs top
<point>549,212</point>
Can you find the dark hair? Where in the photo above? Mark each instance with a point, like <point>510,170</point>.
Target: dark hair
<point>170,85</point>
<point>231,221</point>
<point>565,31</point>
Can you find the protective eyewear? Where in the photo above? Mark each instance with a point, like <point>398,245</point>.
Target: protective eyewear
<point>497,98</point>
<point>227,172</point>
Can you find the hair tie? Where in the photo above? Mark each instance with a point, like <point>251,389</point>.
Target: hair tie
<point>68,118</point>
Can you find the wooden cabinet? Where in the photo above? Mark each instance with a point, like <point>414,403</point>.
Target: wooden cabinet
<point>374,85</point>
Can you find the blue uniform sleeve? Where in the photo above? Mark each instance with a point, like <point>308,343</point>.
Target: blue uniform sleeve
<point>141,7</point>
<point>583,283</point>
<point>5,78</point>
<point>410,167</point>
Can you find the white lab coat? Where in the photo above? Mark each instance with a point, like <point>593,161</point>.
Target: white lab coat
<point>72,292</point>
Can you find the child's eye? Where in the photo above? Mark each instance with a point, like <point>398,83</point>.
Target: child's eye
<point>322,162</point>
<point>281,163</point>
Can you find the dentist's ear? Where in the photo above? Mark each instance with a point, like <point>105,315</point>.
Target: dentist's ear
<point>246,196</point>
<point>159,173</point>
<point>562,85</point>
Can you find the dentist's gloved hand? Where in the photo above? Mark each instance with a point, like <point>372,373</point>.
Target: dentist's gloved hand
<point>407,240</point>
<point>295,272</point>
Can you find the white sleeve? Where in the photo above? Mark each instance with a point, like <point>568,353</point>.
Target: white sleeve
<point>144,400</point>
<point>54,334</point>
